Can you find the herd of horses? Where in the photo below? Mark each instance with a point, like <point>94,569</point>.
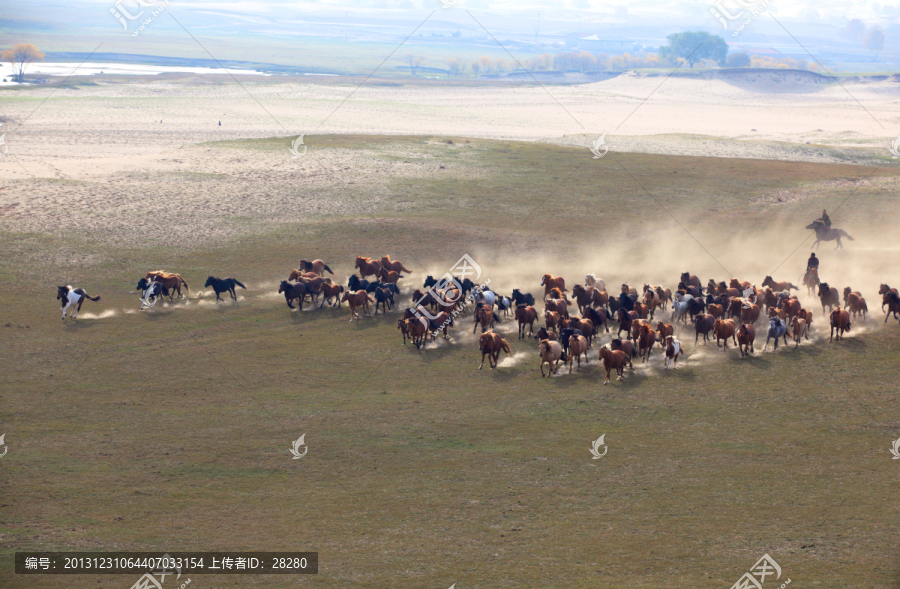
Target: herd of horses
<point>720,310</point>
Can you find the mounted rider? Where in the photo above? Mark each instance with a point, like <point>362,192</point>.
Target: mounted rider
<point>825,219</point>
<point>812,262</point>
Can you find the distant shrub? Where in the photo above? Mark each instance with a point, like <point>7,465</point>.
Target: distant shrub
<point>738,60</point>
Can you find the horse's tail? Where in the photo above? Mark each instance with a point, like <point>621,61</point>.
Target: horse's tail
<point>505,345</point>
<point>184,282</point>
<point>405,269</point>
<point>328,269</point>
<point>371,300</point>
<point>236,281</point>
<point>790,286</point>
<point>90,298</point>
<point>847,235</point>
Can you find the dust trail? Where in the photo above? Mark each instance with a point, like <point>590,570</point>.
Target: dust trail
<point>517,359</point>
<point>102,315</point>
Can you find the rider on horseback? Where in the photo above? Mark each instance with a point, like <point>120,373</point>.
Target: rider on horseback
<point>825,219</point>
<point>813,262</point>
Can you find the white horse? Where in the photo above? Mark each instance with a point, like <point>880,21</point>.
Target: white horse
<point>679,310</point>
<point>487,297</point>
<point>72,297</point>
<point>596,283</point>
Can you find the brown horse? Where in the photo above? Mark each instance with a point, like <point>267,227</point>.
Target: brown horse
<point>778,286</point>
<point>613,360</point>
<point>642,310</point>
<point>840,322</point>
<point>715,310</point>
<point>356,299</point>
<point>885,289</point>
<point>829,297</point>
<point>892,300</point>
<point>625,320</point>
<point>724,329</point>
<point>551,320</point>
<point>542,333</point>
<point>589,297</point>
<point>396,266</point>
<point>750,315</point>
<point>296,275</point>
<point>331,291</point>
<point>665,330</point>
<point>549,282</point>
<point>626,348</point>
<point>578,345</point>
<point>556,293</point>
<point>293,291</point>
<point>646,341</point>
<point>417,329</point>
<point>491,344</point>
<point>367,266</point>
<point>651,300</point>
<point>665,297</point>
<point>791,307</point>
<point>317,266</point>
<point>550,352</point>
<point>557,306</point>
<point>404,329</point>
<point>585,326</point>
<point>170,280</point>
<point>800,329</point>
<point>314,286</point>
<point>739,285</point>
<point>856,303</point>
<point>806,316</point>
<point>746,335</point>
<point>811,281</point>
<point>484,316</point>
<point>703,324</point>
<point>388,277</point>
<point>525,315</point>
<point>690,280</point>
<point>636,327</point>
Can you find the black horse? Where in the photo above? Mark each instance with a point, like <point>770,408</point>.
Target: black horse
<point>151,291</point>
<point>522,299</point>
<point>221,285</point>
<point>373,286</point>
<point>627,301</point>
<point>565,335</point>
<point>355,284</point>
<point>598,318</point>
<point>696,307</point>
<point>385,298</point>
<point>293,290</point>
<point>825,233</point>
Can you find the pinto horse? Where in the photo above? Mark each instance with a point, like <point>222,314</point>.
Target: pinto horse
<point>367,266</point>
<point>549,282</point>
<point>292,291</point>
<point>171,281</point>
<point>491,344</point>
<point>221,285</point>
<point>395,265</point>
<point>72,297</point>
<point>357,299</point>
<point>525,315</point>
<point>613,360</point>
<point>550,352</point>
<point>840,322</point>
<point>673,350</point>
<point>746,335</point>
<point>317,266</point>
<point>829,297</point>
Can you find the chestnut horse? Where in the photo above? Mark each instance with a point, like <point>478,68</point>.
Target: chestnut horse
<point>317,266</point>
<point>542,333</point>
<point>367,266</point>
<point>829,297</point>
<point>388,277</point>
<point>750,315</point>
<point>801,330</point>
<point>587,297</point>
<point>417,329</point>
<point>840,322</point>
<point>690,280</point>
<point>625,320</point>
<point>525,315</point>
<point>578,345</point>
<point>557,306</point>
<point>404,329</point>
<point>613,360</point>
<point>485,316</point>
<point>551,320</point>
<point>549,282</point>
<point>171,281</point>
<point>646,341</point>
<point>491,344</point>
<point>746,335</point>
<point>550,352</point>
<point>585,326</point>
<point>892,300</point>
<point>778,286</point>
<point>396,266</point>
<point>626,348</point>
<point>598,317</point>
<point>356,299</point>
<point>856,303</point>
<point>724,329</point>
<point>296,275</point>
<point>665,330</point>
<point>883,290</point>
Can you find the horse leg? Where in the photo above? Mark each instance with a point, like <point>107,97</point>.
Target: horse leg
<point>482,360</point>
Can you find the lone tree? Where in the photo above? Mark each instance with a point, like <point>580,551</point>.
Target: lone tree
<point>874,39</point>
<point>738,60</point>
<point>20,56</point>
<point>694,46</point>
<point>414,61</point>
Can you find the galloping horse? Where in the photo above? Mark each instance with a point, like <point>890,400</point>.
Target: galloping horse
<point>690,280</point>
<point>673,350</point>
<point>840,322</point>
<point>332,291</point>
<point>646,341</point>
<point>824,233</point>
<point>829,297</point>
<point>811,280</point>
<point>613,360</point>
<point>892,300</point>
<point>703,324</point>
<point>800,329</point>
<point>221,285</point>
<point>856,303</point>
<point>72,297</point>
<point>626,348</point>
<point>746,336</point>
<point>724,329</point>
<point>356,299</point>
<point>591,281</point>
<point>885,289</point>
<point>778,286</point>
<point>525,315</point>
<point>296,275</point>
<point>388,276</point>
<point>777,329</point>
<point>151,292</point>
<point>491,344</point>
<point>293,290</point>
<point>396,266</point>
<point>317,266</point>
<point>550,352</point>
<point>598,317</point>
<point>171,281</point>
<point>549,282</point>
<point>367,266</point>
